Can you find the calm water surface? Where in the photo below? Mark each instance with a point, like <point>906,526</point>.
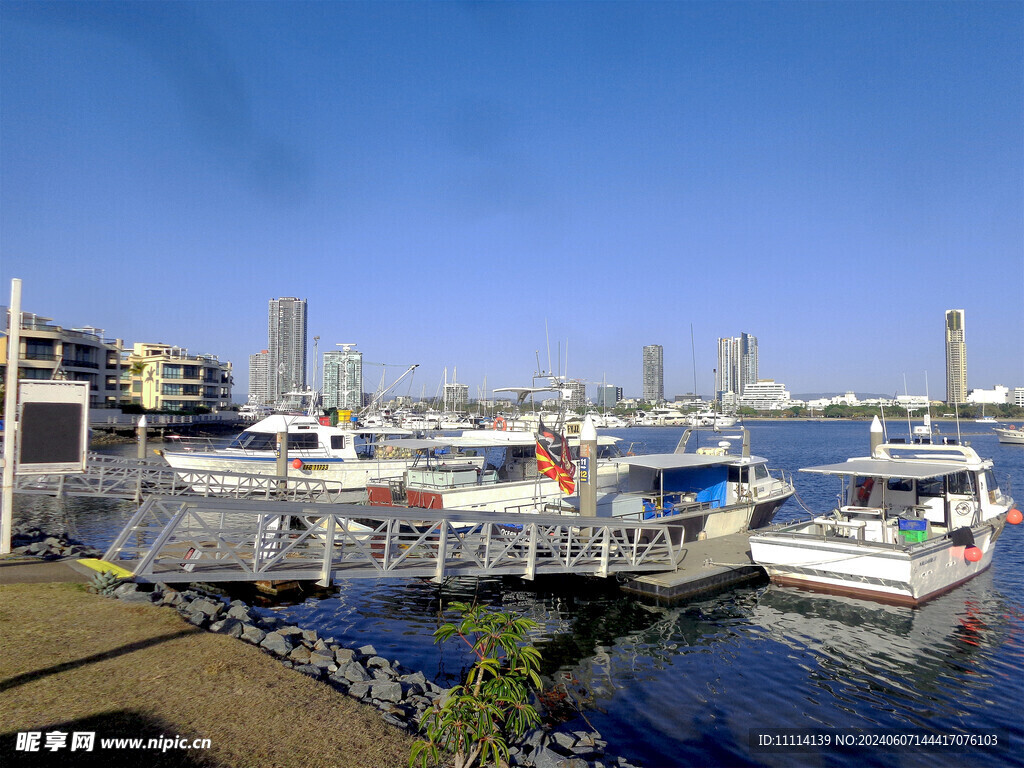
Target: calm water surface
<point>683,684</point>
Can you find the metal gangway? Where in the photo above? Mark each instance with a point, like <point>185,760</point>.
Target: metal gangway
<point>119,477</point>
<point>219,540</point>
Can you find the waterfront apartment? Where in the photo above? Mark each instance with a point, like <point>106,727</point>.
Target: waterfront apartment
<point>956,357</point>
<point>49,351</point>
<point>164,377</point>
<point>654,374</point>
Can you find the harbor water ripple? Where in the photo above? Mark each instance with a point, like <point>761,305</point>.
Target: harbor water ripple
<point>683,684</point>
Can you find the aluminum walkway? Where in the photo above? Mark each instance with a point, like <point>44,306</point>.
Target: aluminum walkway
<point>218,540</point>
<point>133,479</point>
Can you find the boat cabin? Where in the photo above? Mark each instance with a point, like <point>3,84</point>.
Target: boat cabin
<point>906,494</point>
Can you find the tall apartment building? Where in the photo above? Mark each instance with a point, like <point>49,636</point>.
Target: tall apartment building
<point>286,344</point>
<point>259,378</point>
<point>956,357</point>
<point>737,365</point>
<point>654,374</point>
<point>343,378</point>
<point>48,351</point>
<point>165,377</point>
<point>456,397</point>
<point>577,394</point>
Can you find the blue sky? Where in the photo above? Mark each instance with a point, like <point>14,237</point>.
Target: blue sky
<point>462,185</point>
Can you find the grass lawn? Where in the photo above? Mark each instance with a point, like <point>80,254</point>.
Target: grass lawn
<point>73,661</point>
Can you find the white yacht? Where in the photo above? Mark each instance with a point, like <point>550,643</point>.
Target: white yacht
<point>345,457</point>
<point>917,520</point>
<point>1010,435</point>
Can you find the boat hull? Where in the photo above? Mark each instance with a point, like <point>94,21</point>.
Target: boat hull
<point>899,574</point>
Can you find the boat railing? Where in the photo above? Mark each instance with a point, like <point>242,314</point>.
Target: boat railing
<point>843,528</point>
<point>676,506</point>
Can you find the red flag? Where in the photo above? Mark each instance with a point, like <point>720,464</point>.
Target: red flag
<point>553,458</point>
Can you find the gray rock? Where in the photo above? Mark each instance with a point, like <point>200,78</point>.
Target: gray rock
<point>545,757</point>
<point>355,673</point>
<point>382,674</point>
<point>126,589</point>
<point>377,661</point>
<point>198,618</point>
<point>300,655</point>
<point>210,608</point>
<point>563,739</point>
<point>359,690</point>
<point>240,612</point>
<point>253,634</point>
<point>322,660</point>
<point>417,678</point>
<point>395,721</point>
<point>309,669</point>
<point>290,631</point>
<point>228,626</point>
<point>277,643</point>
<point>309,635</point>
<point>368,650</point>
<point>344,656</point>
<point>386,691</point>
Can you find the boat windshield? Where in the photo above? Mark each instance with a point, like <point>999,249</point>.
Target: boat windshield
<point>255,441</point>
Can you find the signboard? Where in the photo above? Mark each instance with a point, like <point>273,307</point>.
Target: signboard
<point>53,426</point>
<point>584,469</point>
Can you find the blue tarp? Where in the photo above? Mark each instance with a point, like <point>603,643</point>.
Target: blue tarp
<point>709,483</point>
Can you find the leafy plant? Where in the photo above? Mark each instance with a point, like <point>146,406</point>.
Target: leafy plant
<point>105,583</point>
<point>478,717</point>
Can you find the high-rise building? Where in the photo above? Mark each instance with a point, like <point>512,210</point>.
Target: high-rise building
<point>577,394</point>
<point>286,337</point>
<point>259,378</point>
<point>654,374</point>
<point>343,378</point>
<point>956,357</point>
<point>456,397</point>
<point>608,395</point>
<point>737,365</point>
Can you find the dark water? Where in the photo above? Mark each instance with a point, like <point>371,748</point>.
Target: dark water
<point>684,684</point>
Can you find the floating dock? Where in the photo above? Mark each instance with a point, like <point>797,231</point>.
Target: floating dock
<point>704,566</point>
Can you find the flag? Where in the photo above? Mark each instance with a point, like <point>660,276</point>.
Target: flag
<point>553,458</point>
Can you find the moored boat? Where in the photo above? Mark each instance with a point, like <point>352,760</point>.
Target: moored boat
<point>1010,435</point>
<point>344,457</point>
<point>918,520</point>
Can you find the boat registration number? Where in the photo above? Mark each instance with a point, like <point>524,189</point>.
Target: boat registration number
<point>314,467</point>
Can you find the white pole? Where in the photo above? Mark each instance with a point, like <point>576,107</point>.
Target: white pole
<point>588,460</point>
<point>10,416</point>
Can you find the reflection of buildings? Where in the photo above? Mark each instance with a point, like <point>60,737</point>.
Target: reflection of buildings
<point>49,351</point>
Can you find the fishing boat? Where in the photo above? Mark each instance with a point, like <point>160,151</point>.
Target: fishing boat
<point>345,457</point>
<point>1010,435</point>
<point>918,519</point>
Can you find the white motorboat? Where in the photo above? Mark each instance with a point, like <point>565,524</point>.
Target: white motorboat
<point>918,520</point>
<point>1010,435</point>
<point>345,457</point>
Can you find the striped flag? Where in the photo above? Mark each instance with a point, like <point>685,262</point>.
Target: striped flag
<point>554,459</point>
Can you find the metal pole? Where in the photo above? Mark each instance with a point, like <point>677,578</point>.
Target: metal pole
<point>588,468</point>
<point>10,416</point>
<point>282,460</point>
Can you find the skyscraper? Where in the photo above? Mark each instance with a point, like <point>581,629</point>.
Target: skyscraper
<point>259,378</point>
<point>737,364</point>
<point>343,378</point>
<point>654,374</point>
<point>956,357</point>
<point>286,336</point>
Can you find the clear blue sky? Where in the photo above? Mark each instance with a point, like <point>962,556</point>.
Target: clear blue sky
<point>440,180</point>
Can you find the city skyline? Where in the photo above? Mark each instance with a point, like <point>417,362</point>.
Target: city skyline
<point>621,172</point>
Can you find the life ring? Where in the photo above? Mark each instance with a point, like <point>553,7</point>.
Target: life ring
<point>500,423</point>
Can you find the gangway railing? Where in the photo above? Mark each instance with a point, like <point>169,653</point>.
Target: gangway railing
<point>124,478</point>
<point>219,540</point>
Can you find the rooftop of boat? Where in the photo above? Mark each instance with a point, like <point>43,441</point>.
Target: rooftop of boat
<point>665,461</point>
